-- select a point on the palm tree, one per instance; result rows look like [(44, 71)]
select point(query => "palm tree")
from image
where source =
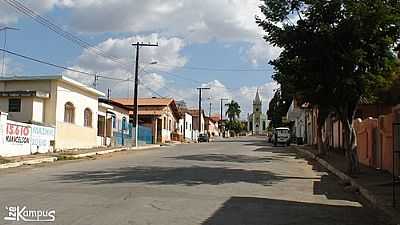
[(233, 110)]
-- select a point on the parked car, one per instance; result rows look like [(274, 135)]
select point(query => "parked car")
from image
[(281, 135), (203, 138)]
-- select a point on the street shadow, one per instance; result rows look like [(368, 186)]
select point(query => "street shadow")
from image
[(280, 151), (248, 142), (226, 158), (189, 176), (329, 186), (264, 211)]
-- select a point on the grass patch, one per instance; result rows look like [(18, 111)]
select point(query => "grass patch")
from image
[(4, 160)]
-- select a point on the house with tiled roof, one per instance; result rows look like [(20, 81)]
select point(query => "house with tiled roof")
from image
[(212, 126), (161, 115), (54, 100), (185, 125), (196, 128)]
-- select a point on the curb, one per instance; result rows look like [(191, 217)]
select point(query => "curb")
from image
[(363, 191), (28, 162), (83, 155), (103, 152)]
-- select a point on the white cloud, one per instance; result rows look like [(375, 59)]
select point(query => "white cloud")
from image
[(192, 20), (261, 53), (167, 53), (199, 20)]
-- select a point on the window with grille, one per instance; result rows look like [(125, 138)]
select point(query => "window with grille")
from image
[(14, 105), (87, 120), (69, 113)]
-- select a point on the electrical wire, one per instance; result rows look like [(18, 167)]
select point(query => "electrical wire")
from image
[(216, 69), (22, 9)]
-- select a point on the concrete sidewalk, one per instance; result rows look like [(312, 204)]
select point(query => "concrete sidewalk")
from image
[(11, 162), (374, 185)]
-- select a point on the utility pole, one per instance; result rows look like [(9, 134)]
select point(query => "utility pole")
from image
[(209, 113), (4, 47), (220, 122), (108, 93), (96, 78), (200, 90), (135, 90)]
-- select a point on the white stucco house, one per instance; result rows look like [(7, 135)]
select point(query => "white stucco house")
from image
[(185, 126), (197, 128), (68, 105), (297, 114)]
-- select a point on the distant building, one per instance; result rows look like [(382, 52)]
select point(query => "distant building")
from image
[(257, 121), (212, 126), (113, 127), (185, 125), (159, 114), (297, 115), (196, 128), (71, 107)]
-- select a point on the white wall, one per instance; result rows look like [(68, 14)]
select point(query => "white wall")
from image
[(80, 99), (38, 110), (75, 135), (18, 139), (189, 127)]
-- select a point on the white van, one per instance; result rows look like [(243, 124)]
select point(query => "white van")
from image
[(281, 135)]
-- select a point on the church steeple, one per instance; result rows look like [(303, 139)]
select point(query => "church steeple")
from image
[(257, 104), (257, 100)]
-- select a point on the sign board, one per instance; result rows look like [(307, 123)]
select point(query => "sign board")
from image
[(24, 139), (41, 137), (17, 134)]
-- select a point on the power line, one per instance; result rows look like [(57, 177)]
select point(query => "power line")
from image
[(177, 75), (46, 63), (216, 69), (22, 9), (62, 67), (77, 71)]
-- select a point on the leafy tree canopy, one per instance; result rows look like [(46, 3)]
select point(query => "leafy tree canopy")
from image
[(233, 110), (336, 51)]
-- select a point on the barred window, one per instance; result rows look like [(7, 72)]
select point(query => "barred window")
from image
[(14, 105), (87, 118), (69, 113)]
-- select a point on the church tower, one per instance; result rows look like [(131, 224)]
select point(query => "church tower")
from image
[(257, 112)]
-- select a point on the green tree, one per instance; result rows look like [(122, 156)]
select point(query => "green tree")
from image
[(233, 110), (236, 126), (278, 107), (334, 53)]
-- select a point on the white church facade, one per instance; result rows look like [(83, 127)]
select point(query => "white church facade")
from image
[(257, 122)]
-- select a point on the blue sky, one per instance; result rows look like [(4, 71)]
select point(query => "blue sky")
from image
[(212, 35)]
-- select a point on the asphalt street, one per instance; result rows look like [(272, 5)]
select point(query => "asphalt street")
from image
[(242, 181)]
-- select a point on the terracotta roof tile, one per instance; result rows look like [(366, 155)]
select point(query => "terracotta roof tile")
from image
[(145, 101), (150, 106)]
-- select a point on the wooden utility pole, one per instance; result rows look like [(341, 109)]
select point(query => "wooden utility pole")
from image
[(135, 90), (200, 90)]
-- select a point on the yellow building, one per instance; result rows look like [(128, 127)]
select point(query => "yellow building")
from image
[(71, 107)]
